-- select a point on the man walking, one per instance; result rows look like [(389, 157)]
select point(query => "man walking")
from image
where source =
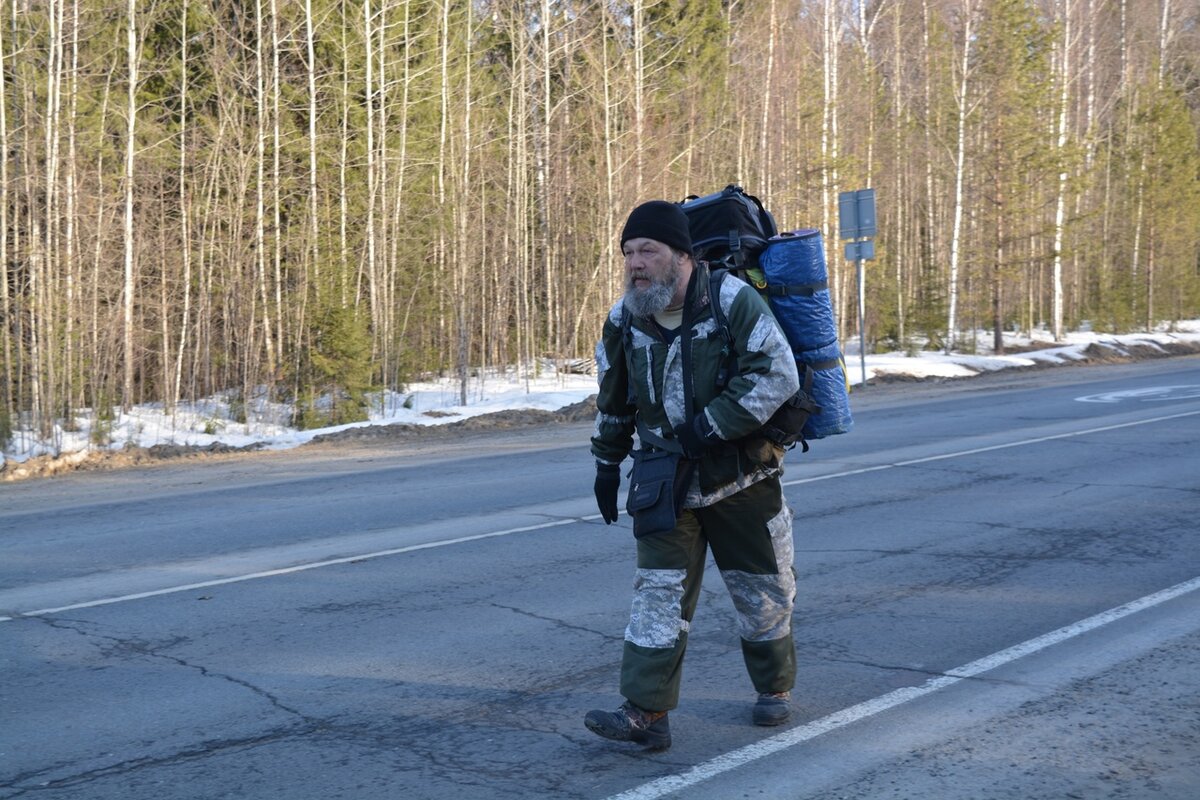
[(668, 369)]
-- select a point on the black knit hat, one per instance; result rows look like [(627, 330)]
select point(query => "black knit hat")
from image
[(661, 221)]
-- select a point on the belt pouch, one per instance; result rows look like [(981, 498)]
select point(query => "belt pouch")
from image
[(651, 501)]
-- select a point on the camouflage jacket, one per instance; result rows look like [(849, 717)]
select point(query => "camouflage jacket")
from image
[(648, 381)]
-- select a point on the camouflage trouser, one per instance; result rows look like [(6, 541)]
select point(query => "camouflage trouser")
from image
[(750, 534)]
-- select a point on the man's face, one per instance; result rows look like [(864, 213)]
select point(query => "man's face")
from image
[(652, 276), (647, 263)]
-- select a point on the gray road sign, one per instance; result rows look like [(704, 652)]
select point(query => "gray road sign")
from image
[(856, 214), (860, 251)]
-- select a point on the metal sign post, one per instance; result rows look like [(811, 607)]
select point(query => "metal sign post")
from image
[(856, 221)]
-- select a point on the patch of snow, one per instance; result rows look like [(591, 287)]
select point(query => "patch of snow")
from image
[(437, 402)]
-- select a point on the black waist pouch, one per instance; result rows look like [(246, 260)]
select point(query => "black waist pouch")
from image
[(656, 489)]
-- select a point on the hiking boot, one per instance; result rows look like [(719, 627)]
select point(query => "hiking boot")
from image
[(773, 708), (631, 724)]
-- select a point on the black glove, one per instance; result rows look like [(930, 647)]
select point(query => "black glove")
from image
[(697, 438), (608, 482)]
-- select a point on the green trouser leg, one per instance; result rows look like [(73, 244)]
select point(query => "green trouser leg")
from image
[(666, 592), (650, 676), (751, 539), (771, 664)]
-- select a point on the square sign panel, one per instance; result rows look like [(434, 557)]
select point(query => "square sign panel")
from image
[(856, 214)]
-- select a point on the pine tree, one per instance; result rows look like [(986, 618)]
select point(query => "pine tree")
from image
[(1014, 81)]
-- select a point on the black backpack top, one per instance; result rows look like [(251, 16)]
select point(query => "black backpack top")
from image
[(729, 228)]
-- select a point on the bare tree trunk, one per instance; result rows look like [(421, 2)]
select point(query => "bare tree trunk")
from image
[(1138, 218), (518, 191), (639, 99), (6, 304), (900, 115), (1165, 34), (999, 200), (1150, 275), (931, 252), (1061, 146), (1087, 130), (164, 301), (866, 26), (829, 159), (343, 162), (129, 350), (71, 394), (443, 242), (275, 354), (40, 238), (185, 226), (1126, 84), (102, 391), (960, 167), (314, 232), (465, 262), (545, 248), (45, 305), (372, 188), (764, 154), (30, 233), (260, 212), (406, 82), (610, 170), (603, 272), (383, 230)]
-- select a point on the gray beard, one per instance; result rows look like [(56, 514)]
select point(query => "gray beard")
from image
[(654, 298)]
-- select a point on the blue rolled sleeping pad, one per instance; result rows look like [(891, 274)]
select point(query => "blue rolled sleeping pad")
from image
[(798, 291)]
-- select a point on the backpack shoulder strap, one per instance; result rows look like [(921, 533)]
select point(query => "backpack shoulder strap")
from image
[(729, 364), (646, 435), (627, 350), (715, 278)]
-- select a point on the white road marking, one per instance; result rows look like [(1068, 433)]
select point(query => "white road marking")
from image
[(738, 758), (269, 573), (974, 451), (1153, 394), (542, 526)]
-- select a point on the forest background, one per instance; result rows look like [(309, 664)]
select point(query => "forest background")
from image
[(308, 200)]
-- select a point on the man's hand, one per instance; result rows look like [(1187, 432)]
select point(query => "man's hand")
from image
[(697, 438), (608, 482)]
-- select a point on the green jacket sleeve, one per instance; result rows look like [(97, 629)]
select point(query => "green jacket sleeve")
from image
[(766, 368), (613, 437)]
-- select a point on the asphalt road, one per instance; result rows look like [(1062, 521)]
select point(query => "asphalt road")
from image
[(999, 598)]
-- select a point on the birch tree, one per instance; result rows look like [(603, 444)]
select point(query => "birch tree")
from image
[(185, 235), (830, 185), (1061, 138), (129, 342), (963, 101), (314, 213), (6, 304)]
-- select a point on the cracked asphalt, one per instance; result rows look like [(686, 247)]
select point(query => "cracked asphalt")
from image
[(432, 619)]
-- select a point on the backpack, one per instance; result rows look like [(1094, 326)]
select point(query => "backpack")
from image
[(729, 228), (735, 233)]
